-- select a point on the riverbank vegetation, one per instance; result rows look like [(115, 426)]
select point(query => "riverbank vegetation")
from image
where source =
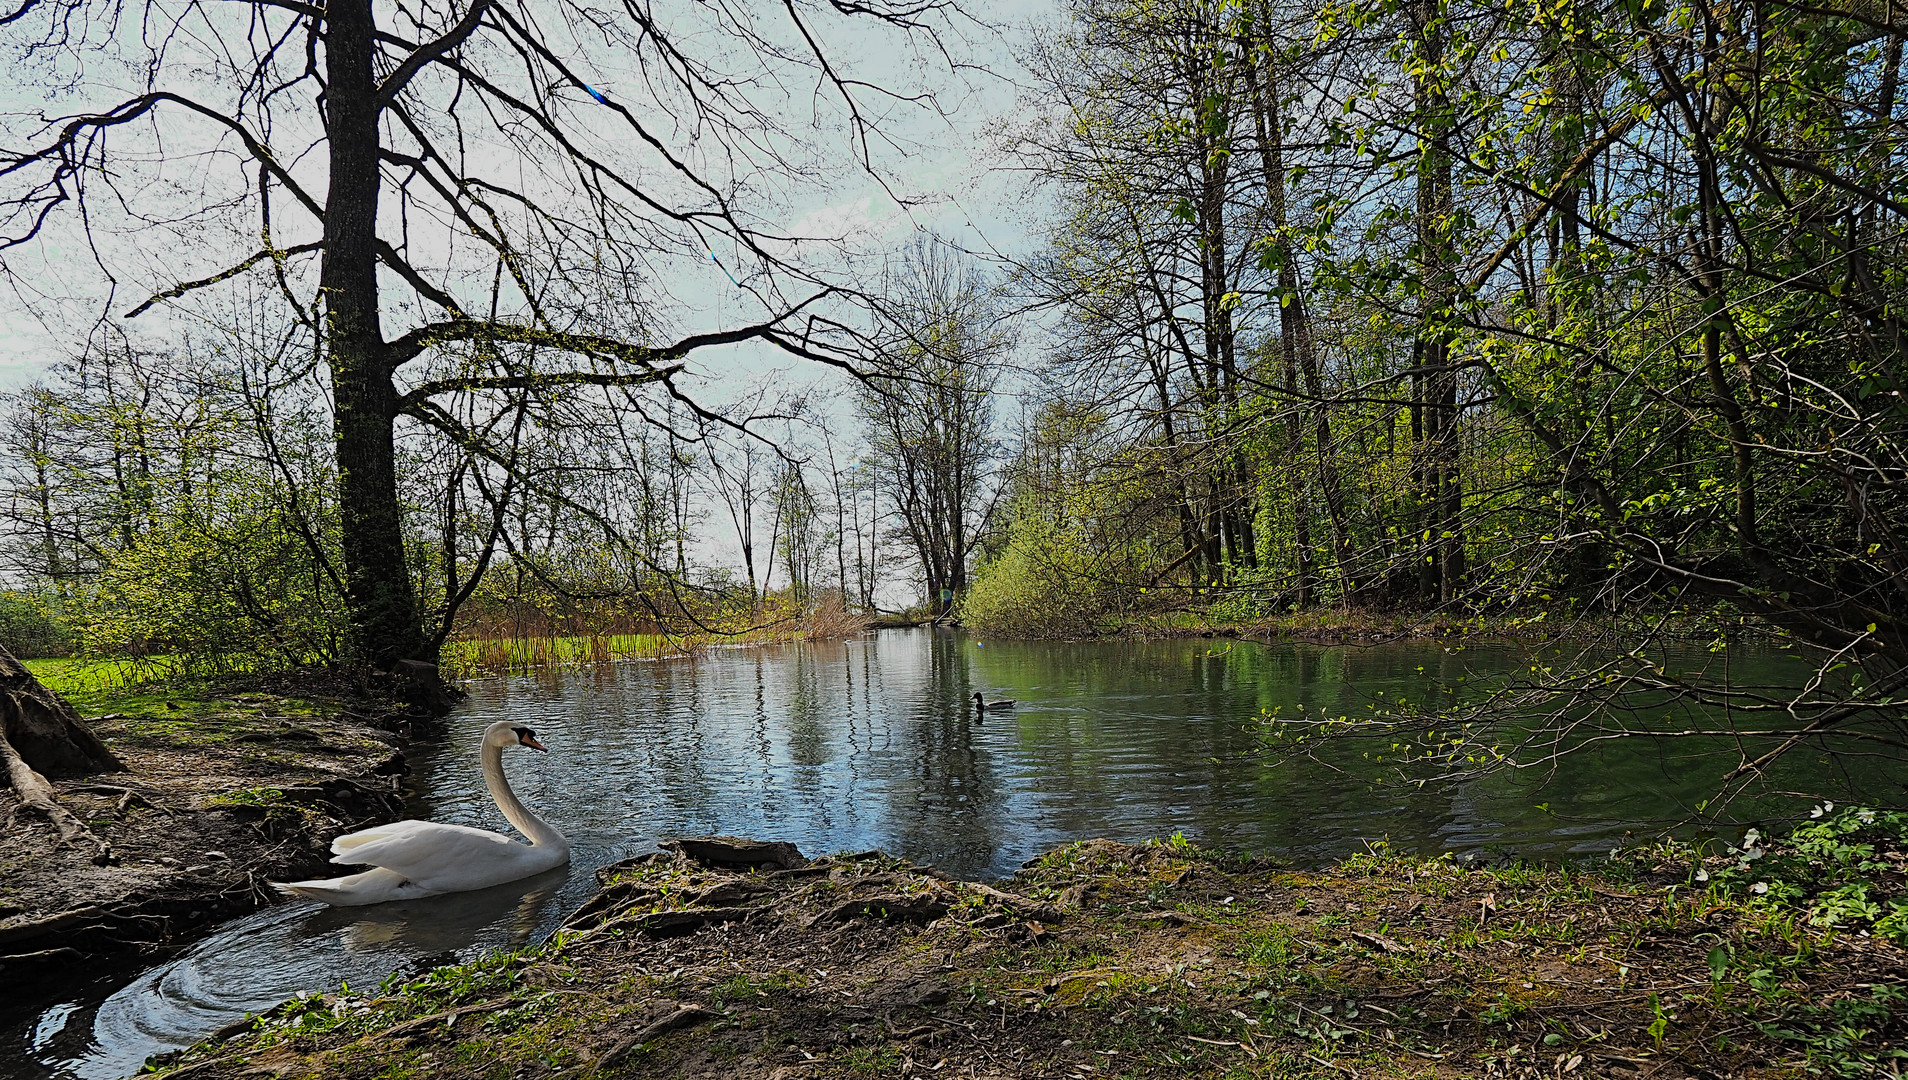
[(1156, 960)]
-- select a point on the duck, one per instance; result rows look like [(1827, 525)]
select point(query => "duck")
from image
[(414, 859), (981, 704)]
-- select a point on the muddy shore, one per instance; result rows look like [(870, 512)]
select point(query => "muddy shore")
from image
[(1112, 960), (224, 792)]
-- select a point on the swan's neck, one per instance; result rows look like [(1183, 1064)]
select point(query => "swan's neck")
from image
[(540, 832)]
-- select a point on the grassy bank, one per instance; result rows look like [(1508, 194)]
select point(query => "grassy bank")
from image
[(1331, 626), (1109, 960)]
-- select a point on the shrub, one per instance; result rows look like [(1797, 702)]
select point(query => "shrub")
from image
[(1046, 581), (30, 628), (239, 592)]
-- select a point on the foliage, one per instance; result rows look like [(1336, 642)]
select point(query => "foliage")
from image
[(1042, 583), (1539, 308), (167, 509), (1846, 868), (239, 593), (31, 628), (1067, 564), (1837, 1037)]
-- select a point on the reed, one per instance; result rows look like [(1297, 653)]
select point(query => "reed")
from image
[(501, 642), (516, 655)]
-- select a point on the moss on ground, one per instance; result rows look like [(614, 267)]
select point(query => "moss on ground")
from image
[(1110, 960)]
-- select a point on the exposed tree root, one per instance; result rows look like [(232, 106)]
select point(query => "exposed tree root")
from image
[(39, 730), (37, 795)]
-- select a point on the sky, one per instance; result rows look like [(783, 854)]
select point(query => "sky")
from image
[(947, 167)]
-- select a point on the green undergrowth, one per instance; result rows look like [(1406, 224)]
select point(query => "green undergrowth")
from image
[(1846, 869)]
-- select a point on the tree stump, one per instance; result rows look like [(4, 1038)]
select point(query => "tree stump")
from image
[(42, 735)]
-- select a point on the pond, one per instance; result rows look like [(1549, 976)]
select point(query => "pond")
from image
[(873, 743)]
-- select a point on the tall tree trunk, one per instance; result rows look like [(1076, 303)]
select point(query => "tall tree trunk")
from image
[(385, 627), (1442, 567), (1295, 332), (1232, 480)]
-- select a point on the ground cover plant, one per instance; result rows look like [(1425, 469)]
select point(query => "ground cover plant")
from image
[(1111, 960)]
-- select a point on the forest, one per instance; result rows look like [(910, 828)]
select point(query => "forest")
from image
[(1533, 313), (1512, 393)]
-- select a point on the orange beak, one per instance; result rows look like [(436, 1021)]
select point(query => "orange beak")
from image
[(532, 743)]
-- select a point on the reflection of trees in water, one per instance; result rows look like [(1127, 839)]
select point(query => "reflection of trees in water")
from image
[(873, 742), (812, 704), (946, 801)]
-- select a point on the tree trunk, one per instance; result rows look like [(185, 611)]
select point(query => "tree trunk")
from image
[(41, 734), (1441, 555), (385, 627), (44, 730)]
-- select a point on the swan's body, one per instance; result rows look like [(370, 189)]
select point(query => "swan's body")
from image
[(412, 859), (984, 705)]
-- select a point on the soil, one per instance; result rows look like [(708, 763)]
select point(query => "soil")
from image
[(1110, 960), (224, 792)]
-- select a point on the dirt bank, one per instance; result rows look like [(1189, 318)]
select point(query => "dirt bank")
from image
[(1107, 960), (224, 792)]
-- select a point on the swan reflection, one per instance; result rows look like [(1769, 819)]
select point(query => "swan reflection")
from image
[(442, 924)]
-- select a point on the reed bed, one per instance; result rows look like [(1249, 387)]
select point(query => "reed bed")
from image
[(519, 644), (517, 655)]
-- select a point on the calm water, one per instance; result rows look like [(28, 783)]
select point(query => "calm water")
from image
[(872, 743)]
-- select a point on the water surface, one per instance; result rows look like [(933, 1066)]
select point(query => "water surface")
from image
[(872, 743)]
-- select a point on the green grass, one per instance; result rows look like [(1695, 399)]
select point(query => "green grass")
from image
[(501, 656), (72, 677)]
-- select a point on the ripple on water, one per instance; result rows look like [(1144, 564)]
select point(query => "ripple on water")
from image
[(255, 962)]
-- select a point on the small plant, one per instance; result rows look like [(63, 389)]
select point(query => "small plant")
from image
[(1659, 1021), (1504, 1009), (1838, 1037), (257, 796), (749, 987), (1841, 869)]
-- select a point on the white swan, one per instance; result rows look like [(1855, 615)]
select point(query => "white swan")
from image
[(426, 858)]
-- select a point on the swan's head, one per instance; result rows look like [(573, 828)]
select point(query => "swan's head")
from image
[(504, 733), (977, 697)]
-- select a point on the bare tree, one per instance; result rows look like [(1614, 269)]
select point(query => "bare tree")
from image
[(419, 177), (928, 406)]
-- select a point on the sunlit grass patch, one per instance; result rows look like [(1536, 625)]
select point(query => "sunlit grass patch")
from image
[(256, 796), (515, 655), (79, 677)]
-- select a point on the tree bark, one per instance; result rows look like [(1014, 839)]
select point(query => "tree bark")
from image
[(1442, 569), (41, 734), (385, 627)]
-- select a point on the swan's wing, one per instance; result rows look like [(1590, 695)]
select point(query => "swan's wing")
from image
[(424, 850), (362, 837)]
